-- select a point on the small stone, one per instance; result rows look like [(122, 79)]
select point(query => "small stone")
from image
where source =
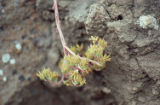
[(4, 79), (24, 36), (148, 21), (1, 72), (12, 61), (29, 79), (1, 28), (141, 99), (134, 103), (18, 46), (6, 58), (21, 78), (134, 89), (3, 11), (3, 5), (14, 72), (158, 83), (15, 4), (155, 92), (106, 90)]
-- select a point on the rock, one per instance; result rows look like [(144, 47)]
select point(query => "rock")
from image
[(134, 103), (141, 99), (21, 78), (142, 42), (1, 72), (106, 90), (5, 58), (14, 72), (150, 64), (12, 61), (79, 11), (18, 45), (147, 21), (155, 91), (4, 79), (96, 19)]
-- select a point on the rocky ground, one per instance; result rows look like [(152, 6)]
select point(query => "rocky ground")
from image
[(29, 42)]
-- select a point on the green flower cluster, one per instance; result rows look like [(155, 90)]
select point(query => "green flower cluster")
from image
[(48, 75), (96, 52), (75, 68)]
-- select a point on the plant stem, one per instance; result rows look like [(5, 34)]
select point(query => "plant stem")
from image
[(55, 7), (67, 51)]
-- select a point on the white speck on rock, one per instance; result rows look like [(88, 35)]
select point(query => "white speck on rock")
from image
[(1, 72), (5, 58), (147, 21), (12, 61), (4, 79), (18, 46), (3, 10)]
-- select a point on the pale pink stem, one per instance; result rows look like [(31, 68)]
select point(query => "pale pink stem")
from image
[(55, 7), (78, 68), (62, 79), (59, 82), (65, 47)]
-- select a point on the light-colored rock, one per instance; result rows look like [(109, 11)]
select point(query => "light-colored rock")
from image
[(12, 61), (148, 21), (18, 45), (1, 72), (4, 79), (5, 58)]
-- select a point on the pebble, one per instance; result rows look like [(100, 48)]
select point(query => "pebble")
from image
[(141, 99), (21, 78), (14, 72), (148, 21), (134, 103), (12, 61), (5, 58), (29, 79), (4, 79), (24, 36), (135, 88), (3, 5), (3, 11), (15, 4), (1, 28), (155, 92), (1, 72), (106, 90), (18, 46)]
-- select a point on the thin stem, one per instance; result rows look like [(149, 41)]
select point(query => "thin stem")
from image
[(65, 47), (59, 82), (62, 79), (78, 68), (55, 7)]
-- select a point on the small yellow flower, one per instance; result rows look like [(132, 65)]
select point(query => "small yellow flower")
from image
[(77, 78), (47, 74), (102, 43), (77, 49), (68, 82), (41, 76), (94, 39), (72, 60), (64, 66)]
